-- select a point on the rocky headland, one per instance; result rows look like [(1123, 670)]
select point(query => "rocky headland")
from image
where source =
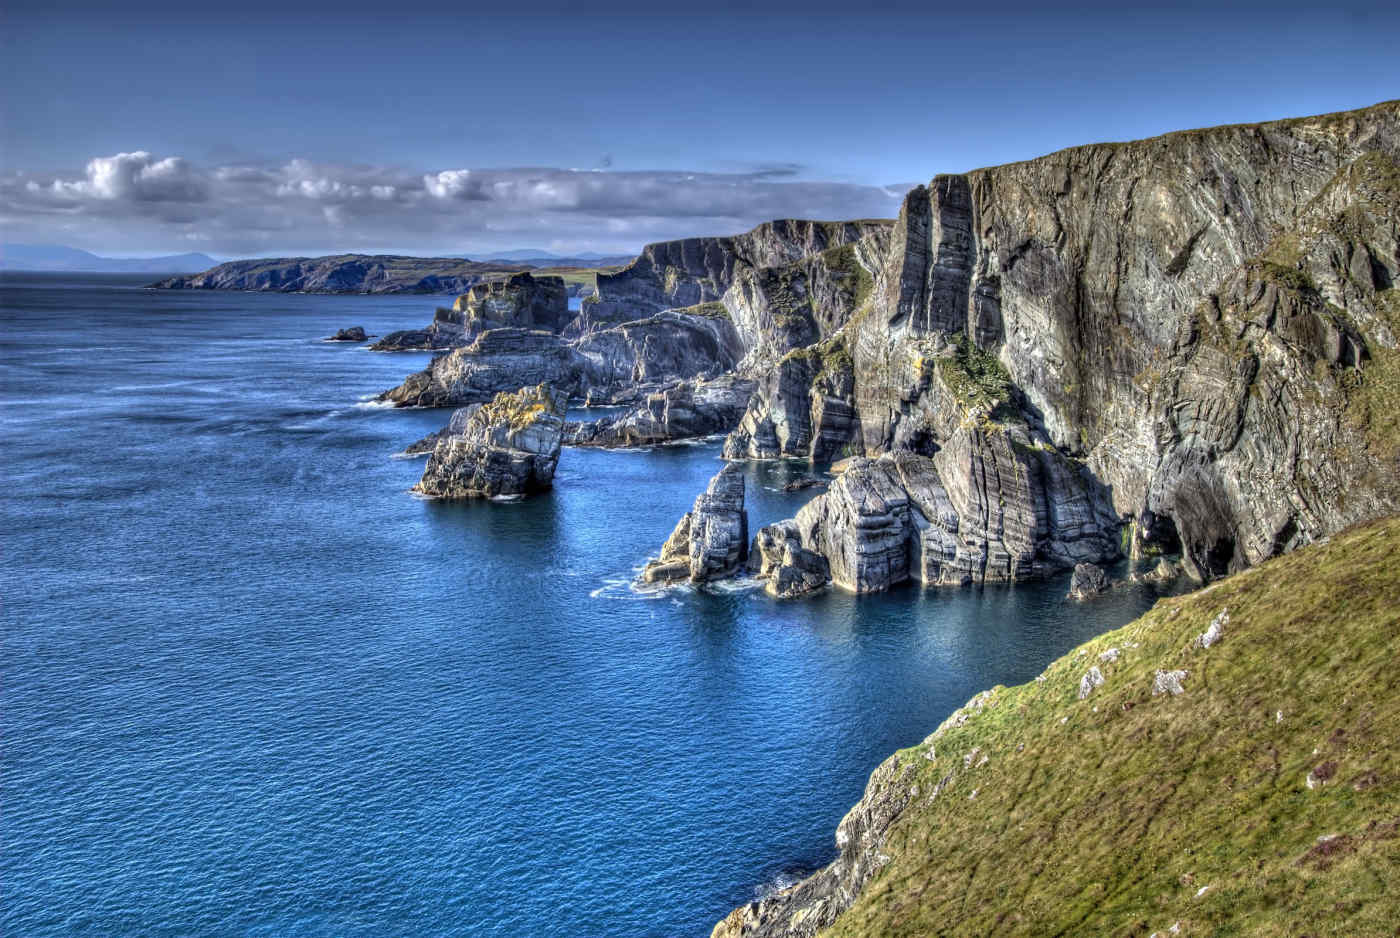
[(1182, 347), (1183, 352), (344, 273), (519, 301)]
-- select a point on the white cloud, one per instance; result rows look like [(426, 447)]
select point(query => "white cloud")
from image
[(137, 177), (138, 201)]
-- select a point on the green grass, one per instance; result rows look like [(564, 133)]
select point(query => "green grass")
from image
[(975, 376), (843, 260), (1106, 816)]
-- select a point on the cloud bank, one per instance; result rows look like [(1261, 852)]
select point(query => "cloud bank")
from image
[(139, 202)]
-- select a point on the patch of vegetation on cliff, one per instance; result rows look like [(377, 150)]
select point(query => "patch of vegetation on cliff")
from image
[(711, 310), (975, 376), (830, 357), (1154, 782), (842, 260)]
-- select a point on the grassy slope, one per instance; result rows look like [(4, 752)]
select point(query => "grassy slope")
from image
[(1106, 816)]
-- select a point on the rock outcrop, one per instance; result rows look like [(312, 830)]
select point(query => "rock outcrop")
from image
[(344, 273), (509, 446), (684, 411), (353, 334), (697, 271), (521, 301), (668, 347), (988, 506), (1087, 581), (711, 540)]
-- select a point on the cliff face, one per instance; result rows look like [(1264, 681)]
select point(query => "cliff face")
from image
[(1224, 764), (693, 271), (1193, 318)]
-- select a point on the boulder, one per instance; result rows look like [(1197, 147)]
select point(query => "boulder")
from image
[(353, 334), (1089, 580), (711, 540), (509, 446), (790, 569)]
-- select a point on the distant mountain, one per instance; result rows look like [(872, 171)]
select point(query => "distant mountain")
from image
[(57, 257)]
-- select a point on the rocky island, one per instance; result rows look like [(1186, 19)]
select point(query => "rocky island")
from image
[(507, 447)]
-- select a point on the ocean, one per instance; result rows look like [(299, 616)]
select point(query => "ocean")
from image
[(252, 686)]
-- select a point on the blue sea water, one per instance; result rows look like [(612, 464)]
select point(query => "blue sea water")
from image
[(251, 686)]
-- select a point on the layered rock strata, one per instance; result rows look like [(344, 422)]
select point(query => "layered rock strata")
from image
[(668, 347), (696, 271), (711, 540), (987, 507), (509, 446)]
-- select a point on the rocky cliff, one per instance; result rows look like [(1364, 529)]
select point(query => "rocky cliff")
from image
[(1202, 322), (1224, 765), (697, 271)]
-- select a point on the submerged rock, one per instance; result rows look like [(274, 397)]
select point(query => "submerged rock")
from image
[(509, 446), (711, 540), (353, 334), (1089, 580)]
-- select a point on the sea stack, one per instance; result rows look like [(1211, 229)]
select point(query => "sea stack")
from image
[(711, 540), (509, 446)]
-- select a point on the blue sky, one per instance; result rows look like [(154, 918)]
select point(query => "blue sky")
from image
[(292, 128)]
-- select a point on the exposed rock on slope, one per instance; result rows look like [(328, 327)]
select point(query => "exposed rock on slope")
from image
[(509, 446), (1260, 787), (344, 273), (521, 301), (683, 411), (711, 540)]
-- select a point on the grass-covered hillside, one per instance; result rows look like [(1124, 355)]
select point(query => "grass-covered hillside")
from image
[(1154, 782)]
